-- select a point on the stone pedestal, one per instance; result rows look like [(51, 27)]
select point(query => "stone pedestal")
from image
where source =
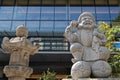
[(17, 72), (20, 49)]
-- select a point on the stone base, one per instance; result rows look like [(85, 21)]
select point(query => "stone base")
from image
[(95, 79), (16, 78)]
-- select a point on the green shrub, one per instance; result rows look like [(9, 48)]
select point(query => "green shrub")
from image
[(110, 32), (48, 75)]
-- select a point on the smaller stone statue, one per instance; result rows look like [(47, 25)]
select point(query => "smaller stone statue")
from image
[(88, 48), (20, 48)]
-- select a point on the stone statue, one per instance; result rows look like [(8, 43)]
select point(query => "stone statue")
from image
[(20, 48), (87, 47)]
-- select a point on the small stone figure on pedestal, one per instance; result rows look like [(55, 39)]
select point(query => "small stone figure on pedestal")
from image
[(87, 47), (20, 49)]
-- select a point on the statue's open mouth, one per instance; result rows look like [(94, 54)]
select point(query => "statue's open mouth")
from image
[(87, 23)]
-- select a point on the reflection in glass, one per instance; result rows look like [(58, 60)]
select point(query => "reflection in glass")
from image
[(74, 13), (61, 13), (60, 25), (88, 9), (5, 25), (33, 13), (46, 25), (114, 12), (32, 25), (20, 13), (47, 13), (6, 13), (102, 13), (34, 2)]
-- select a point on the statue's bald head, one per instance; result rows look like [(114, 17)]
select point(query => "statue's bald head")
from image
[(84, 14)]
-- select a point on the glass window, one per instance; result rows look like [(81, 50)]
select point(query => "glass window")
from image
[(114, 12), (60, 25), (34, 2), (74, 13), (61, 13), (5, 25), (32, 25), (102, 13), (88, 9), (6, 13), (48, 2), (8, 2), (101, 2), (87, 2), (46, 25), (0, 2), (15, 24), (33, 13), (113, 2), (60, 2), (21, 2), (20, 13), (47, 13), (74, 2)]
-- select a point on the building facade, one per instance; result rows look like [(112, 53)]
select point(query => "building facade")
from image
[(46, 21)]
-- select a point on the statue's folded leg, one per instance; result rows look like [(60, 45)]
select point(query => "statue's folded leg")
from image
[(104, 53), (77, 51)]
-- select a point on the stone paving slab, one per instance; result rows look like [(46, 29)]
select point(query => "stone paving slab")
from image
[(95, 79)]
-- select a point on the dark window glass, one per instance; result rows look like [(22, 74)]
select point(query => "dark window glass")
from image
[(46, 26), (74, 2), (47, 13), (33, 13), (8, 2), (5, 25), (74, 13), (15, 24), (61, 13), (48, 2), (32, 25), (21, 2), (6, 13), (113, 2), (60, 25), (34, 2), (20, 13), (102, 13), (60, 2), (0, 2), (88, 2), (101, 2)]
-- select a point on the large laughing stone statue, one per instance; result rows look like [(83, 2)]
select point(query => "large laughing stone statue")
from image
[(87, 47)]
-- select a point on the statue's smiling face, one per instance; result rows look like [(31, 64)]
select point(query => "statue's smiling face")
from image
[(87, 22)]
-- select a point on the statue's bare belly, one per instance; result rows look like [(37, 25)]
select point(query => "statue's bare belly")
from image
[(86, 38)]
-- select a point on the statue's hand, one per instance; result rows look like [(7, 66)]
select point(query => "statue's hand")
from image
[(95, 33), (73, 24)]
